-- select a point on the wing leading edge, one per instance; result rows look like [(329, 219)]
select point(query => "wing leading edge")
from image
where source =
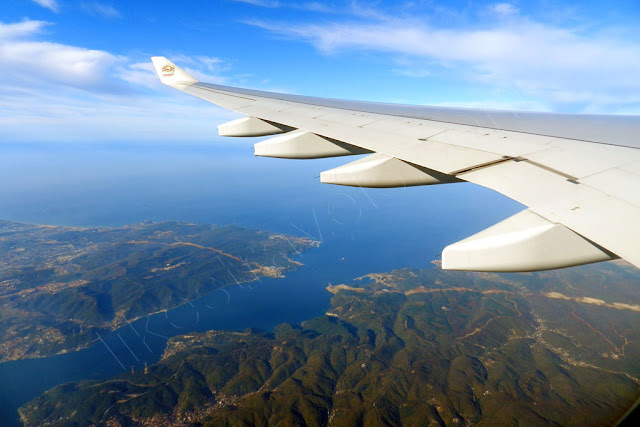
[(578, 175)]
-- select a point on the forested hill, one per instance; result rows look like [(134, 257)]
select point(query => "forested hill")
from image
[(417, 347), (61, 286)]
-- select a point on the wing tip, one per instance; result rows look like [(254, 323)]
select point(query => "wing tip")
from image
[(170, 74)]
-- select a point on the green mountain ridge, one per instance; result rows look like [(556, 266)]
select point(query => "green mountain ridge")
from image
[(60, 286), (411, 347)]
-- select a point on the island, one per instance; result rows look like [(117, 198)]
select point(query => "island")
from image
[(413, 347), (62, 287)]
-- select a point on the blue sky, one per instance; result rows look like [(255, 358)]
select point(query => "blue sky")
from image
[(78, 71)]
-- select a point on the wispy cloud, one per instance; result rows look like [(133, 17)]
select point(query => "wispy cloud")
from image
[(504, 9), (261, 3), (37, 63), (560, 65), (105, 10), (311, 6), (20, 30), (315, 6), (49, 4), (54, 91)]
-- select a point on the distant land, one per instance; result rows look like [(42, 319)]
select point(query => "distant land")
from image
[(62, 287), (413, 347)]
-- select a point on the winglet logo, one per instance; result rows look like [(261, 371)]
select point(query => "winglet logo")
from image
[(168, 70)]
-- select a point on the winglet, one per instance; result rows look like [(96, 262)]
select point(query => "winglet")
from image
[(170, 74)]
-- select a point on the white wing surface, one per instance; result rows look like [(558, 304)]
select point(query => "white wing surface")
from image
[(579, 175)]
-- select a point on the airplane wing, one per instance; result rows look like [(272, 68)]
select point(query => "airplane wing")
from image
[(579, 175)]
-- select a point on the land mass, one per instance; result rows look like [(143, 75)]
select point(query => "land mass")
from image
[(62, 287), (413, 347)]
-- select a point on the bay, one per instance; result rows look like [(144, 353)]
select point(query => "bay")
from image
[(361, 230)]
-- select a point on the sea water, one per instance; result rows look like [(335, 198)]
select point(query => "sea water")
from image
[(361, 231)]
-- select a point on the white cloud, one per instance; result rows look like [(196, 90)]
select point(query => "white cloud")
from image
[(261, 3), (20, 30), (559, 65), (205, 68), (504, 9), (312, 6), (57, 92), (49, 4), (42, 64), (104, 10)]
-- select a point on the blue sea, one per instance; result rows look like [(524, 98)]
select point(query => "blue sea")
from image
[(361, 230)]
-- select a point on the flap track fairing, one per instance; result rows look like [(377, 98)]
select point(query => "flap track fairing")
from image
[(381, 171), (523, 242), (305, 145), (252, 126)]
